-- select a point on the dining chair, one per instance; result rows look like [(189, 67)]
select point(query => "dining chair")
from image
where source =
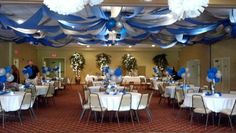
[(2, 113), (198, 107), (144, 103), (84, 106), (26, 104), (230, 113), (124, 106), (180, 98), (50, 94), (95, 106), (163, 95)]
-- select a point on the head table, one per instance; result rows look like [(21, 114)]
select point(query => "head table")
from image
[(111, 102), (214, 103)]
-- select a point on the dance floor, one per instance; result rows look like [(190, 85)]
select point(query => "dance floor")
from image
[(64, 117)]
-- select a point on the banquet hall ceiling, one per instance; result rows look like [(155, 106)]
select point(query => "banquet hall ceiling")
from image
[(149, 25)]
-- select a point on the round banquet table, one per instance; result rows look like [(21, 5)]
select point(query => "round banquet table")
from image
[(214, 103), (11, 102), (111, 102), (170, 90), (96, 88), (128, 79)]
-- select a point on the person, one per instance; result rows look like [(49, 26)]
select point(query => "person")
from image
[(35, 70), (16, 74)]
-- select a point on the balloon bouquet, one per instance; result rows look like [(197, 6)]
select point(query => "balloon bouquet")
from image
[(5, 76), (169, 73), (156, 71), (184, 73), (213, 76), (112, 77), (47, 70)]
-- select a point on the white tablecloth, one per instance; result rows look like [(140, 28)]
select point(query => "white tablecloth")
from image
[(96, 88), (41, 89), (170, 90), (11, 102), (111, 102), (156, 84), (127, 79), (214, 103), (91, 78)]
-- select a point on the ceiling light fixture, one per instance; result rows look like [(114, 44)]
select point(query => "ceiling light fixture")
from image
[(88, 46), (153, 45), (66, 7), (20, 21), (130, 46)]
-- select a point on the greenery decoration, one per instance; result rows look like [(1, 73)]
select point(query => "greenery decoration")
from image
[(77, 62), (129, 62), (160, 61), (103, 60)]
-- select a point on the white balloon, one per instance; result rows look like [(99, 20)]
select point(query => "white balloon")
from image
[(119, 79), (187, 69), (26, 75), (113, 78), (8, 75), (188, 75), (2, 71), (10, 78), (183, 75), (208, 80), (111, 71), (218, 74)]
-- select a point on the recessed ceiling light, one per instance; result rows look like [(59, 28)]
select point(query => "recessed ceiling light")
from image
[(88, 46), (130, 46), (109, 45), (20, 21), (73, 27), (153, 45)]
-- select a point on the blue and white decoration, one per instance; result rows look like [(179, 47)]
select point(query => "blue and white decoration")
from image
[(169, 71), (48, 70), (184, 73), (156, 71), (27, 72), (112, 77), (213, 76), (95, 25), (5, 76)]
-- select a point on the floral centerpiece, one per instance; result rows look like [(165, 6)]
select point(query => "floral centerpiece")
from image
[(129, 63), (5, 76), (103, 60), (213, 76), (77, 64)]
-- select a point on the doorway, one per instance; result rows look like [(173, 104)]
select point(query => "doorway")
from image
[(194, 71)]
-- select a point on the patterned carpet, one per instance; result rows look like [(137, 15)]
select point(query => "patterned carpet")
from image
[(64, 118)]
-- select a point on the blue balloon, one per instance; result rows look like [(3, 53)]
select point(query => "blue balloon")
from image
[(169, 70), (111, 23), (217, 80), (3, 79), (24, 71), (29, 71), (211, 75), (118, 72), (49, 69), (214, 70), (155, 69), (44, 70), (123, 31), (8, 69)]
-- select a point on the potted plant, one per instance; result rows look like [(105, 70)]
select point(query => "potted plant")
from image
[(77, 64)]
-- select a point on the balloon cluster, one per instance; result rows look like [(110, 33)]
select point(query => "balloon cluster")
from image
[(105, 69), (183, 72), (6, 75), (156, 70), (113, 75), (169, 71), (47, 70), (27, 71), (213, 75), (117, 26)]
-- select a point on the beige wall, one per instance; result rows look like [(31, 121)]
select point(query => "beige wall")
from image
[(143, 56), (200, 52), (24, 52), (227, 48), (4, 54)]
